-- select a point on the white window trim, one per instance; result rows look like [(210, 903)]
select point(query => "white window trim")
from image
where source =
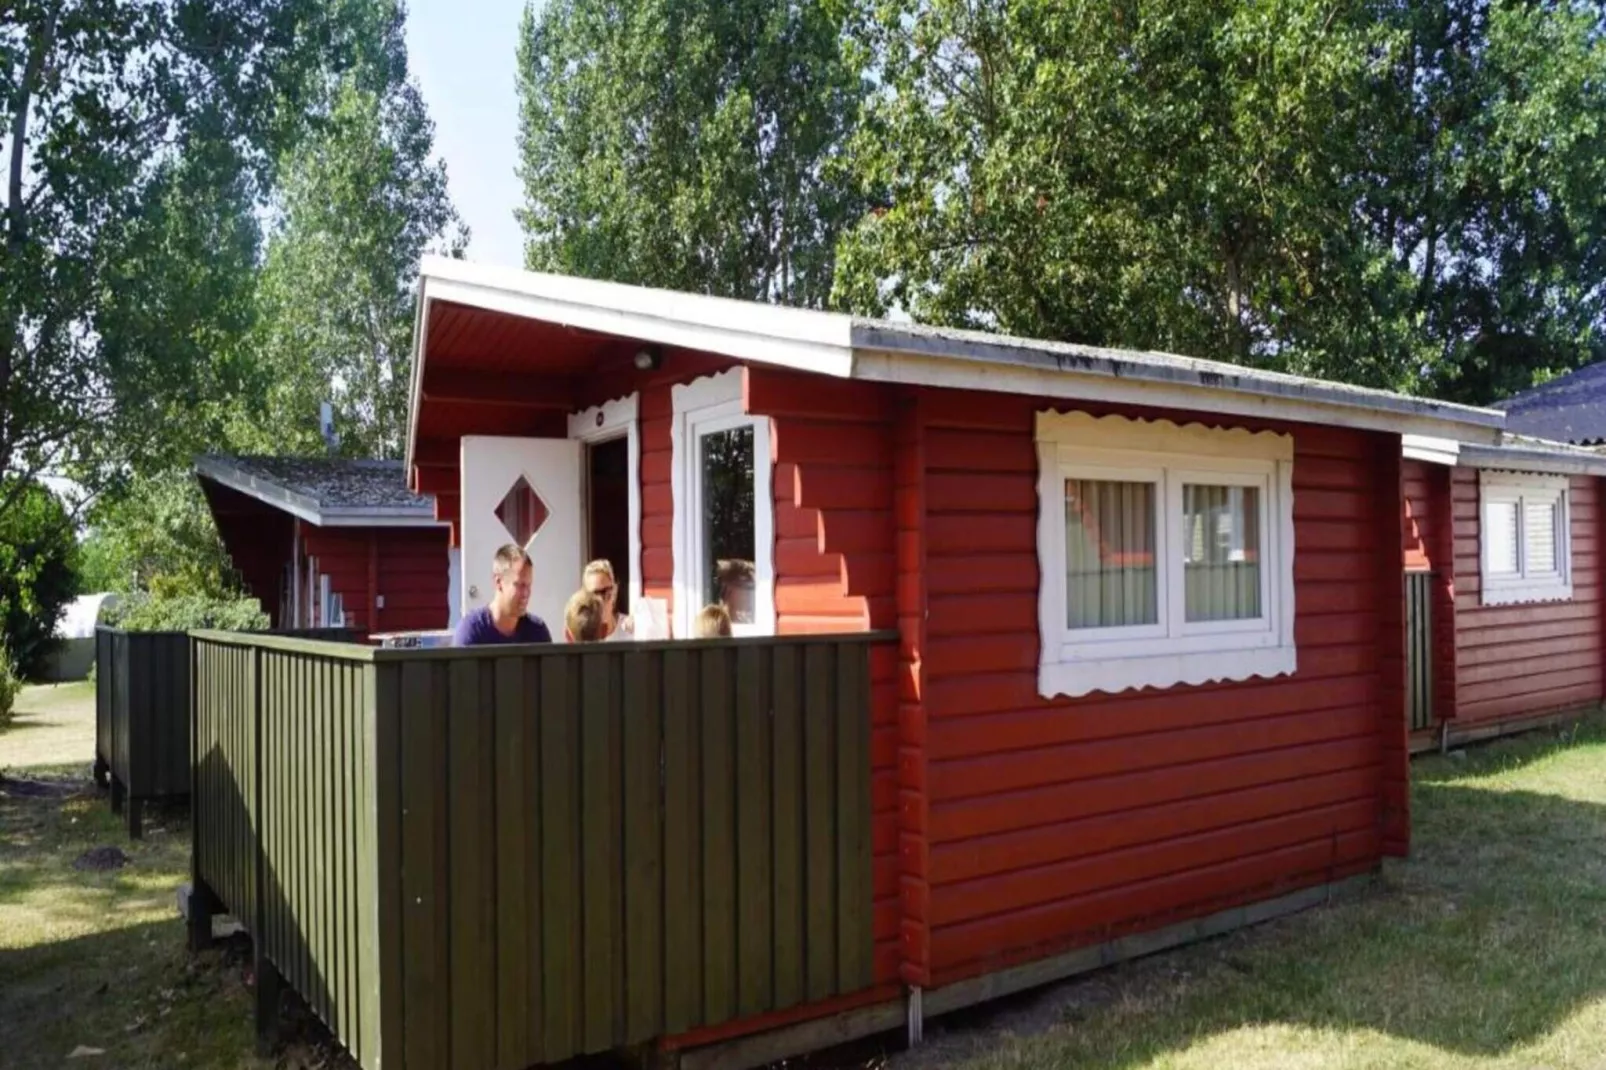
[(602, 423), (714, 403), (1519, 488), (1173, 652)]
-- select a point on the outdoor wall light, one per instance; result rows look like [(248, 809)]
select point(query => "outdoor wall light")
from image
[(649, 358)]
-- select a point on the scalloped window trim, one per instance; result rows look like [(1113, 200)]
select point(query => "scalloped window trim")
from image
[(1070, 666)]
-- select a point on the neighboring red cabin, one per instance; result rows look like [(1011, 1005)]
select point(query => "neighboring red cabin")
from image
[(325, 542), (1151, 661), (1504, 540)]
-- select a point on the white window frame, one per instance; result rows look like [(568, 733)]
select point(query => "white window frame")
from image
[(1519, 489), (618, 418), (1076, 445), (705, 406)]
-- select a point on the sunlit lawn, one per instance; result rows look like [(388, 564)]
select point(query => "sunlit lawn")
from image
[(1487, 949)]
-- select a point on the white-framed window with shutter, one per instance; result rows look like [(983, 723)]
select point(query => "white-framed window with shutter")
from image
[(1166, 553), (1525, 548)]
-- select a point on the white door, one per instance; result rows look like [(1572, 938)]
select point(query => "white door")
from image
[(526, 491)]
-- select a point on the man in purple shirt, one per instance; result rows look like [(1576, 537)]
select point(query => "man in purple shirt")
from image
[(506, 619)]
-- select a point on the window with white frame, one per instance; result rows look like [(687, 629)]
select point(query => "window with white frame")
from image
[(1526, 551), (724, 511), (1166, 553)]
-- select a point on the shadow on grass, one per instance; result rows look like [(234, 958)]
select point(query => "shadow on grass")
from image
[(97, 958), (1490, 939)]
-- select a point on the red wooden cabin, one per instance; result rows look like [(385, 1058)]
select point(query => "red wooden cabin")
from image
[(330, 542), (1150, 678), (1501, 542)]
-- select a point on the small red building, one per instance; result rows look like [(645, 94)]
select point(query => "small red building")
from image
[(1150, 674), (328, 541), (1504, 607)]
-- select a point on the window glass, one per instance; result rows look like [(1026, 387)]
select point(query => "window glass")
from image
[(1539, 534), (1110, 576), (725, 467), (1500, 537), (1221, 552)]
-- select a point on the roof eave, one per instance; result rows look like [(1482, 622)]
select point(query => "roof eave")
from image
[(1531, 459), (279, 496), (888, 355)]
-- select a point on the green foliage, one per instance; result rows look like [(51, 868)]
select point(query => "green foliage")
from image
[(182, 613), (1408, 196), (38, 574), (687, 143), (157, 536), (10, 687), (360, 202)]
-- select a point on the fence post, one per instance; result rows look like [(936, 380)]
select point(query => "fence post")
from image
[(269, 983), (203, 901)]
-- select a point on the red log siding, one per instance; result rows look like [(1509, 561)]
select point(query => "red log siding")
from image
[(1419, 515), (1535, 658), (1058, 823), (1393, 724), (1429, 544), (407, 566)]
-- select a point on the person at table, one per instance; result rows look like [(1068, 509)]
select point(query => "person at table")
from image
[(597, 579), (583, 618), (507, 619)]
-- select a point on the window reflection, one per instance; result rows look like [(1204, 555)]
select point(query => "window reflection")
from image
[(725, 464)]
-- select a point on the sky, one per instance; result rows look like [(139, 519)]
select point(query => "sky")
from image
[(464, 65)]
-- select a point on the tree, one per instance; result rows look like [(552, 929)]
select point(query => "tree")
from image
[(38, 574), (361, 201), (1406, 196), (157, 536), (134, 131), (689, 144)]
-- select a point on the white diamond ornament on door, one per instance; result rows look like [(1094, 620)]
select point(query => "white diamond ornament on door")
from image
[(525, 491)]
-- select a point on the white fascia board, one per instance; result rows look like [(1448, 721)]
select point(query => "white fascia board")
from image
[(415, 389), (804, 339), (1074, 385), (1432, 450), (1529, 459), (274, 494)]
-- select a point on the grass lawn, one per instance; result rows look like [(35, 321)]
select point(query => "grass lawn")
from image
[(96, 958), (1486, 950), (54, 725)]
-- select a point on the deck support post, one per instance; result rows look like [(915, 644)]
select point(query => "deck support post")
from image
[(136, 818), (269, 987), (916, 1018), (119, 793), (1444, 737), (101, 773)]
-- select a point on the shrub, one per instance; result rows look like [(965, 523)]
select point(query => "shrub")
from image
[(10, 685), (150, 613), (38, 575)]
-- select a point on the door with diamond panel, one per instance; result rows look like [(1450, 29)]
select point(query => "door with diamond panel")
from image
[(526, 491)]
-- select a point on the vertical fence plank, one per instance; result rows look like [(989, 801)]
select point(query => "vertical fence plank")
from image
[(787, 789), (426, 971), (472, 866), (855, 882), (643, 852), (683, 907), (600, 847), (819, 793), (754, 833), (563, 970), (384, 998), (517, 907), (719, 836)]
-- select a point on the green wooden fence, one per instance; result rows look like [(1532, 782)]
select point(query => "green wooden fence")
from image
[(511, 857), (142, 715)]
